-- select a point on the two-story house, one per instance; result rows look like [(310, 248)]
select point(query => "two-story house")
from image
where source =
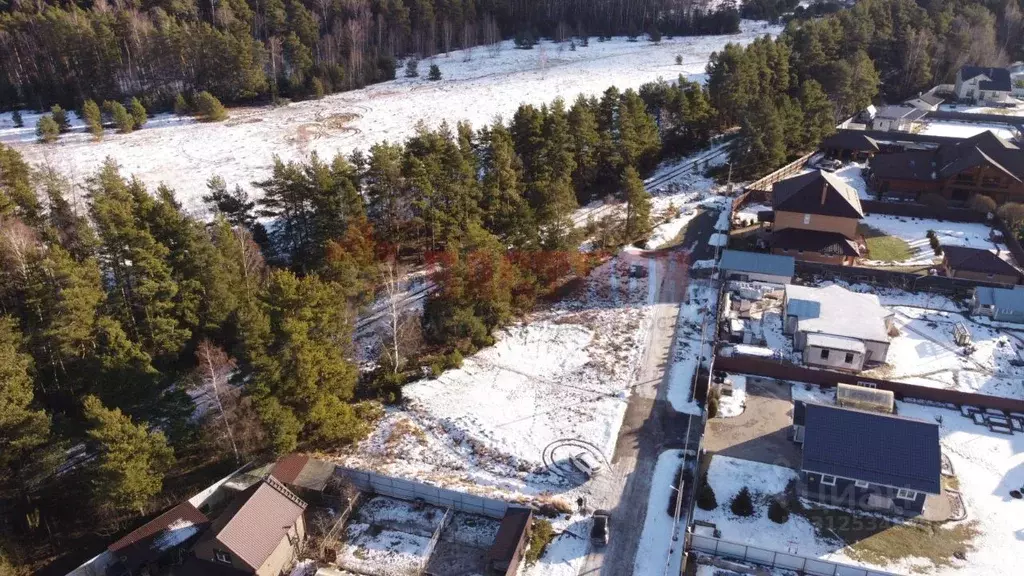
[(815, 217), (981, 84), (982, 164)]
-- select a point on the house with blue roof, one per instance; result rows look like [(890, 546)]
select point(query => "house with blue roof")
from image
[(868, 460), (757, 267)]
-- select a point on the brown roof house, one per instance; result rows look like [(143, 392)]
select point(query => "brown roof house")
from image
[(160, 542), (982, 164), (506, 553), (304, 475), (815, 218), (258, 533), (978, 264)]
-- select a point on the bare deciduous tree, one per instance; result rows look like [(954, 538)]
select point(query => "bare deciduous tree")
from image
[(402, 332), (214, 369)]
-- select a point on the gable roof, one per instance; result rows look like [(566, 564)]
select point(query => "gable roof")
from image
[(510, 533), (909, 113), (952, 158), (928, 98), (1009, 299), (998, 78), (255, 522), (872, 447), (817, 192), (740, 261), (168, 530), (837, 311), (801, 240), (977, 260), (303, 471), (849, 140)]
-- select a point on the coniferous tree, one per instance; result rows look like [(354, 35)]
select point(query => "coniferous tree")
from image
[(506, 214), (208, 108), (60, 116), (17, 119), (181, 106), (412, 68), (47, 129), (384, 184), (638, 205), (138, 113), (435, 73), (132, 460), (23, 429), (583, 128), (122, 119), (17, 194), (818, 113), (93, 118)]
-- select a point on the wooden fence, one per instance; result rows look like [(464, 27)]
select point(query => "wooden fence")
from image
[(765, 184), (787, 371)]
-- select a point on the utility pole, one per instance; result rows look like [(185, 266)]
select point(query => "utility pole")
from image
[(728, 185)]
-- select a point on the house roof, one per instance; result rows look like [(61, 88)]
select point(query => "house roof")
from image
[(872, 447), (1001, 298), (909, 113), (168, 530), (998, 78), (817, 192), (510, 533), (254, 523), (977, 260), (303, 471), (828, 243), (928, 98), (849, 140), (834, 342), (759, 263), (952, 158), (836, 311)]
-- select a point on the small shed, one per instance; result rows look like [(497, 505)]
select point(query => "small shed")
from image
[(304, 475), (1000, 304), (757, 267), (506, 553)]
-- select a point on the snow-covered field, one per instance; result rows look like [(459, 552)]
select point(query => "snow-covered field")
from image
[(914, 232), (558, 381), (185, 154), (656, 546), (565, 555), (389, 536), (702, 299), (967, 129)]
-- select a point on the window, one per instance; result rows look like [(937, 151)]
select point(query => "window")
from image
[(807, 218), (824, 354), (860, 484), (827, 480), (221, 556), (906, 494), (849, 357)]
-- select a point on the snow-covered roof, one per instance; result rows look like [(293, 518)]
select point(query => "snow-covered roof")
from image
[(834, 342), (836, 311)]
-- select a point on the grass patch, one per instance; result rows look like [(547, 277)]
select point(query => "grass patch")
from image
[(883, 247), (879, 541), (541, 535)]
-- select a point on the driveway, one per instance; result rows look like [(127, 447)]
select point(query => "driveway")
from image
[(761, 432)]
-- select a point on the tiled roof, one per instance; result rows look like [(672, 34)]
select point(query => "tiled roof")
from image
[(256, 521), (817, 192), (149, 541), (872, 447), (740, 261), (977, 260)]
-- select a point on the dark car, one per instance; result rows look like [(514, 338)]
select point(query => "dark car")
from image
[(599, 533)]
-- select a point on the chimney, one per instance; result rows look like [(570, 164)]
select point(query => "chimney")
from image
[(824, 191)]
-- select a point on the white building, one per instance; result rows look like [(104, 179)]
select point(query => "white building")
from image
[(979, 84), (836, 328)]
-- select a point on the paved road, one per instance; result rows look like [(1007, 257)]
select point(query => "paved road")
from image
[(650, 424)]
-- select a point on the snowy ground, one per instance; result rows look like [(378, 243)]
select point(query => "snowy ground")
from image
[(853, 174), (566, 554), (967, 129), (389, 536), (748, 213), (557, 383), (925, 354), (656, 546), (1016, 111), (914, 232), (702, 299), (733, 405), (185, 154)]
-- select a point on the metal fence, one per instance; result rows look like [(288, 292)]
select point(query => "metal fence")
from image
[(776, 558), (412, 490)]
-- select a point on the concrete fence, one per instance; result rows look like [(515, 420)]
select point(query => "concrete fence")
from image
[(776, 558), (412, 490)]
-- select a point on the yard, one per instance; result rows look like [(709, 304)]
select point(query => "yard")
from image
[(883, 247)]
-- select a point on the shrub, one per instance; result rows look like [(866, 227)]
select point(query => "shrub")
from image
[(60, 116), (181, 107), (435, 73), (541, 535), (138, 112), (1012, 214), (742, 504), (454, 359), (654, 35), (679, 59), (778, 512), (714, 398), (122, 119), (93, 118), (934, 200), (208, 108), (572, 46), (47, 129), (318, 88), (17, 119), (706, 495), (412, 68), (981, 203), (524, 40)]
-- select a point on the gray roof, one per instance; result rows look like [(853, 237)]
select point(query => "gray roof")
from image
[(980, 260), (816, 192), (1001, 298), (837, 311), (909, 113), (834, 342), (739, 261), (871, 447), (928, 98), (998, 78)]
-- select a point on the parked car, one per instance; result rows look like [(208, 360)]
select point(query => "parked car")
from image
[(599, 533), (586, 463), (830, 165)]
